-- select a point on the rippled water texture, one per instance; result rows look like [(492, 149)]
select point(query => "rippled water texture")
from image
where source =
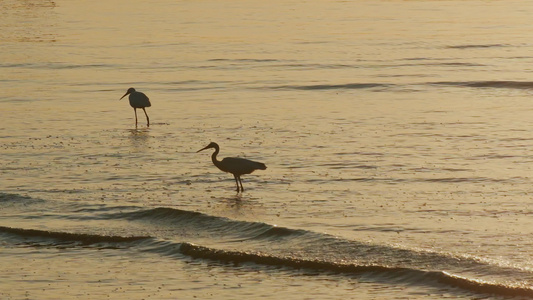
[(397, 136)]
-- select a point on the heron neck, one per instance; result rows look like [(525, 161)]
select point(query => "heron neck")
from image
[(214, 156)]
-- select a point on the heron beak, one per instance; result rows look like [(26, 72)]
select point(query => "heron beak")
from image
[(202, 149), (123, 96)]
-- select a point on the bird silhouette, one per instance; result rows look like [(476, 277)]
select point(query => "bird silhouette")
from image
[(234, 165), (138, 100)]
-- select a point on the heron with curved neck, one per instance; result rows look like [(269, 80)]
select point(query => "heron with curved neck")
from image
[(138, 100), (234, 165)]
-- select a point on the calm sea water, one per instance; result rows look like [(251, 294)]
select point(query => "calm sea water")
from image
[(397, 136)]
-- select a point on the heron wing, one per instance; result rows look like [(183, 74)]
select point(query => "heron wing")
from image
[(239, 166), (139, 100)]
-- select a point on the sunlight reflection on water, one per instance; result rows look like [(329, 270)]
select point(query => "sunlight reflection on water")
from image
[(401, 123)]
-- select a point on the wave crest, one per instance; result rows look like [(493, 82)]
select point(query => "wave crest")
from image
[(35, 235), (398, 274)]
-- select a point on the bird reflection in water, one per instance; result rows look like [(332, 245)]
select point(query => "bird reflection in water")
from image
[(237, 206), (139, 140)]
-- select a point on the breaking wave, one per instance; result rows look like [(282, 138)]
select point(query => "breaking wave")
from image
[(182, 234)]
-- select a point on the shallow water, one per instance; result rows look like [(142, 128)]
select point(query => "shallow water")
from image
[(396, 136)]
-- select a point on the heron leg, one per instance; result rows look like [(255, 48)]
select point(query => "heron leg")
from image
[(147, 119), (236, 182), (240, 181), (135, 110)]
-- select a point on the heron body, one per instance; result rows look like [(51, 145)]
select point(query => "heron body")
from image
[(234, 165), (138, 100)]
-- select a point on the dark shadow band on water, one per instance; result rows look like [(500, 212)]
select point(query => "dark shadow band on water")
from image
[(488, 84), (347, 86)]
